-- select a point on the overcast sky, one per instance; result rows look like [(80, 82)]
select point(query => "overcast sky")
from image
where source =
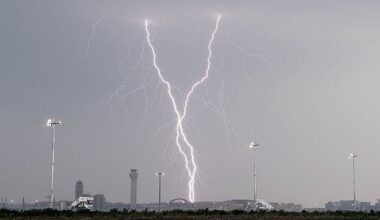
[(308, 94)]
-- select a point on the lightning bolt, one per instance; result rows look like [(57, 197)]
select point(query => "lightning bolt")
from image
[(86, 50), (182, 140)]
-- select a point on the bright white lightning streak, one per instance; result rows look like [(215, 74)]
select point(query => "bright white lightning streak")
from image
[(190, 163)]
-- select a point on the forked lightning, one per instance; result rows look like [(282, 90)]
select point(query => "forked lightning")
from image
[(182, 141)]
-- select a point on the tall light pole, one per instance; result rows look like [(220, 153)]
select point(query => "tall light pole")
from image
[(353, 156), (159, 174), (254, 146), (52, 123)]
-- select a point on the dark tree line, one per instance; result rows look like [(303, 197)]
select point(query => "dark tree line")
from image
[(183, 214)]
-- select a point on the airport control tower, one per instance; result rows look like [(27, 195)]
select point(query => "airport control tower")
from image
[(133, 175), (78, 189)]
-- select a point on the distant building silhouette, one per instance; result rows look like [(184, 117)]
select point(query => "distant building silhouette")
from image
[(78, 189), (99, 202), (349, 205), (287, 207), (133, 175), (366, 206), (332, 206)]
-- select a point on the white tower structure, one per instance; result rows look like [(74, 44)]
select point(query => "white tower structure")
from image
[(133, 175), (52, 123)]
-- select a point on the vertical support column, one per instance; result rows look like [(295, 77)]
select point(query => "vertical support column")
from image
[(52, 168)]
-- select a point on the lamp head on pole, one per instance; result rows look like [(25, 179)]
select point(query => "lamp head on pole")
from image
[(352, 156), (160, 173), (51, 122), (253, 145)]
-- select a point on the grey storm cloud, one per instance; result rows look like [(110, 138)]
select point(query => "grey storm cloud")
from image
[(300, 77)]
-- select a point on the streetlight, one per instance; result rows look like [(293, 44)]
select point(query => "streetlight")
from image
[(52, 123), (159, 174), (254, 146), (353, 156)]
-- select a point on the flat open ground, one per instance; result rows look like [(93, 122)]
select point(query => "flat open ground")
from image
[(199, 214)]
